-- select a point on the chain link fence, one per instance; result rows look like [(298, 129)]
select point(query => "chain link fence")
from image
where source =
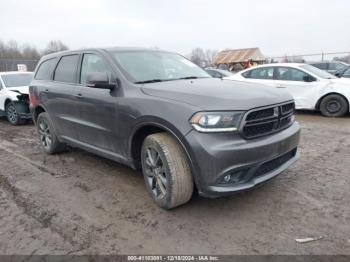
[(315, 57), (15, 64)]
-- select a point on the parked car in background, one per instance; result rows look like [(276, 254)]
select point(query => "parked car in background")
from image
[(218, 73), (330, 67), (312, 88), (158, 112), (14, 99), (345, 72)]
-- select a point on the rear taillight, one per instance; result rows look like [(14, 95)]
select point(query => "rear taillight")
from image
[(33, 100)]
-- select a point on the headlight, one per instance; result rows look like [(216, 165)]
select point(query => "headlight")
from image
[(216, 121)]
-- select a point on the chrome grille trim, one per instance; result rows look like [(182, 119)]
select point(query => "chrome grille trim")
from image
[(256, 127)]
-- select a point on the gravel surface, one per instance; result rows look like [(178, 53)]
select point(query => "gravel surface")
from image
[(78, 203)]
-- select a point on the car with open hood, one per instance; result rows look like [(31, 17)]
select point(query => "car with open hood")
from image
[(14, 96)]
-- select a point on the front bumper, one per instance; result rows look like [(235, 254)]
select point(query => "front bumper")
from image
[(22, 108), (250, 162)]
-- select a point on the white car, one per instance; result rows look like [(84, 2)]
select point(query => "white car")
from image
[(14, 96), (312, 88)]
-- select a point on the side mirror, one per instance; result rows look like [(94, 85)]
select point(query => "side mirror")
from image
[(309, 79), (99, 80), (337, 74)]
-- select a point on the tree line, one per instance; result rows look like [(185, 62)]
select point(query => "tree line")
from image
[(202, 57), (11, 50)]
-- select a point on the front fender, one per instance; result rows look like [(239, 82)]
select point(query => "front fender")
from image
[(341, 89), (12, 95), (170, 128), (335, 88)]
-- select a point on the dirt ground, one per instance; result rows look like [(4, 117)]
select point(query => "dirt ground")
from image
[(78, 203)]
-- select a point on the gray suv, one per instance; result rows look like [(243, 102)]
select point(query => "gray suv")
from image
[(157, 112)]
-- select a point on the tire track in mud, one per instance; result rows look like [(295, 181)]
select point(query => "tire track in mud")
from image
[(76, 235)]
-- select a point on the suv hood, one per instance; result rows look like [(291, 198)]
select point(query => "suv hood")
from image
[(216, 94), (20, 89)]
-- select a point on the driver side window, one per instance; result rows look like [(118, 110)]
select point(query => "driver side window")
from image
[(291, 74), (91, 63)]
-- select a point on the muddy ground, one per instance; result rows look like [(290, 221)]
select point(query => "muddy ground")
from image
[(78, 203)]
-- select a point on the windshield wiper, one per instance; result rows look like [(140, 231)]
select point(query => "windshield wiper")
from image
[(149, 81), (189, 77)]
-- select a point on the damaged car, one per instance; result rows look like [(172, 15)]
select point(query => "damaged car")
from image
[(14, 96)]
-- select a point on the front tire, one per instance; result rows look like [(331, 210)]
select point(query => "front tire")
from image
[(12, 115), (166, 171), (47, 136), (334, 106)]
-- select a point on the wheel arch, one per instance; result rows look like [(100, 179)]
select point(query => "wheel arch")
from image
[(142, 130), (36, 111), (7, 101), (317, 107), (148, 127)]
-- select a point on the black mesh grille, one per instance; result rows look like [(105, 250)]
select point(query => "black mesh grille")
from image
[(260, 114), (258, 129), (287, 108), (285, 121), (268, 120), (275, 163)]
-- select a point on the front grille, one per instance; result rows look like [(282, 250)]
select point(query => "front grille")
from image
[(275, 163), (260, 122), (260, 114)]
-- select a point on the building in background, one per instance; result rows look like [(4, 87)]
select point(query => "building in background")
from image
[(238, 59)]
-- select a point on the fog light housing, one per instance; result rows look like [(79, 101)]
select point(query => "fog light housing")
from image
[(234, 177)]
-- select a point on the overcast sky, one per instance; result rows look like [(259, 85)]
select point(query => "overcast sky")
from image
[(278, 27)]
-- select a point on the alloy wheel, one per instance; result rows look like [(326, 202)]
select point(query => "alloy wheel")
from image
[(155, 172), (12, 114), (44, 134)]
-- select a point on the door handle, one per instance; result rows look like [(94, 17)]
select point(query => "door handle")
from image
[(46, 90), (79, 95), (280, 86)]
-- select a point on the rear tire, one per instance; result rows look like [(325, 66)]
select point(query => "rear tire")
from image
[(47, 136), (166, 171), (334, 106), (12, 115)]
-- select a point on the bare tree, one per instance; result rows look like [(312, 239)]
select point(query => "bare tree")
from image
[(345, 59), (30, 52), (197, 56), (54, 46), (210, 54), (12, 50)]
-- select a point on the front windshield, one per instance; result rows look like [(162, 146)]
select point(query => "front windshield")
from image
[(141, 66), (15, 80), (318, 72)]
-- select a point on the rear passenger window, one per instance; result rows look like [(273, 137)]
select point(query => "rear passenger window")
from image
[(45, 69), (66, 69), (260, 73)]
